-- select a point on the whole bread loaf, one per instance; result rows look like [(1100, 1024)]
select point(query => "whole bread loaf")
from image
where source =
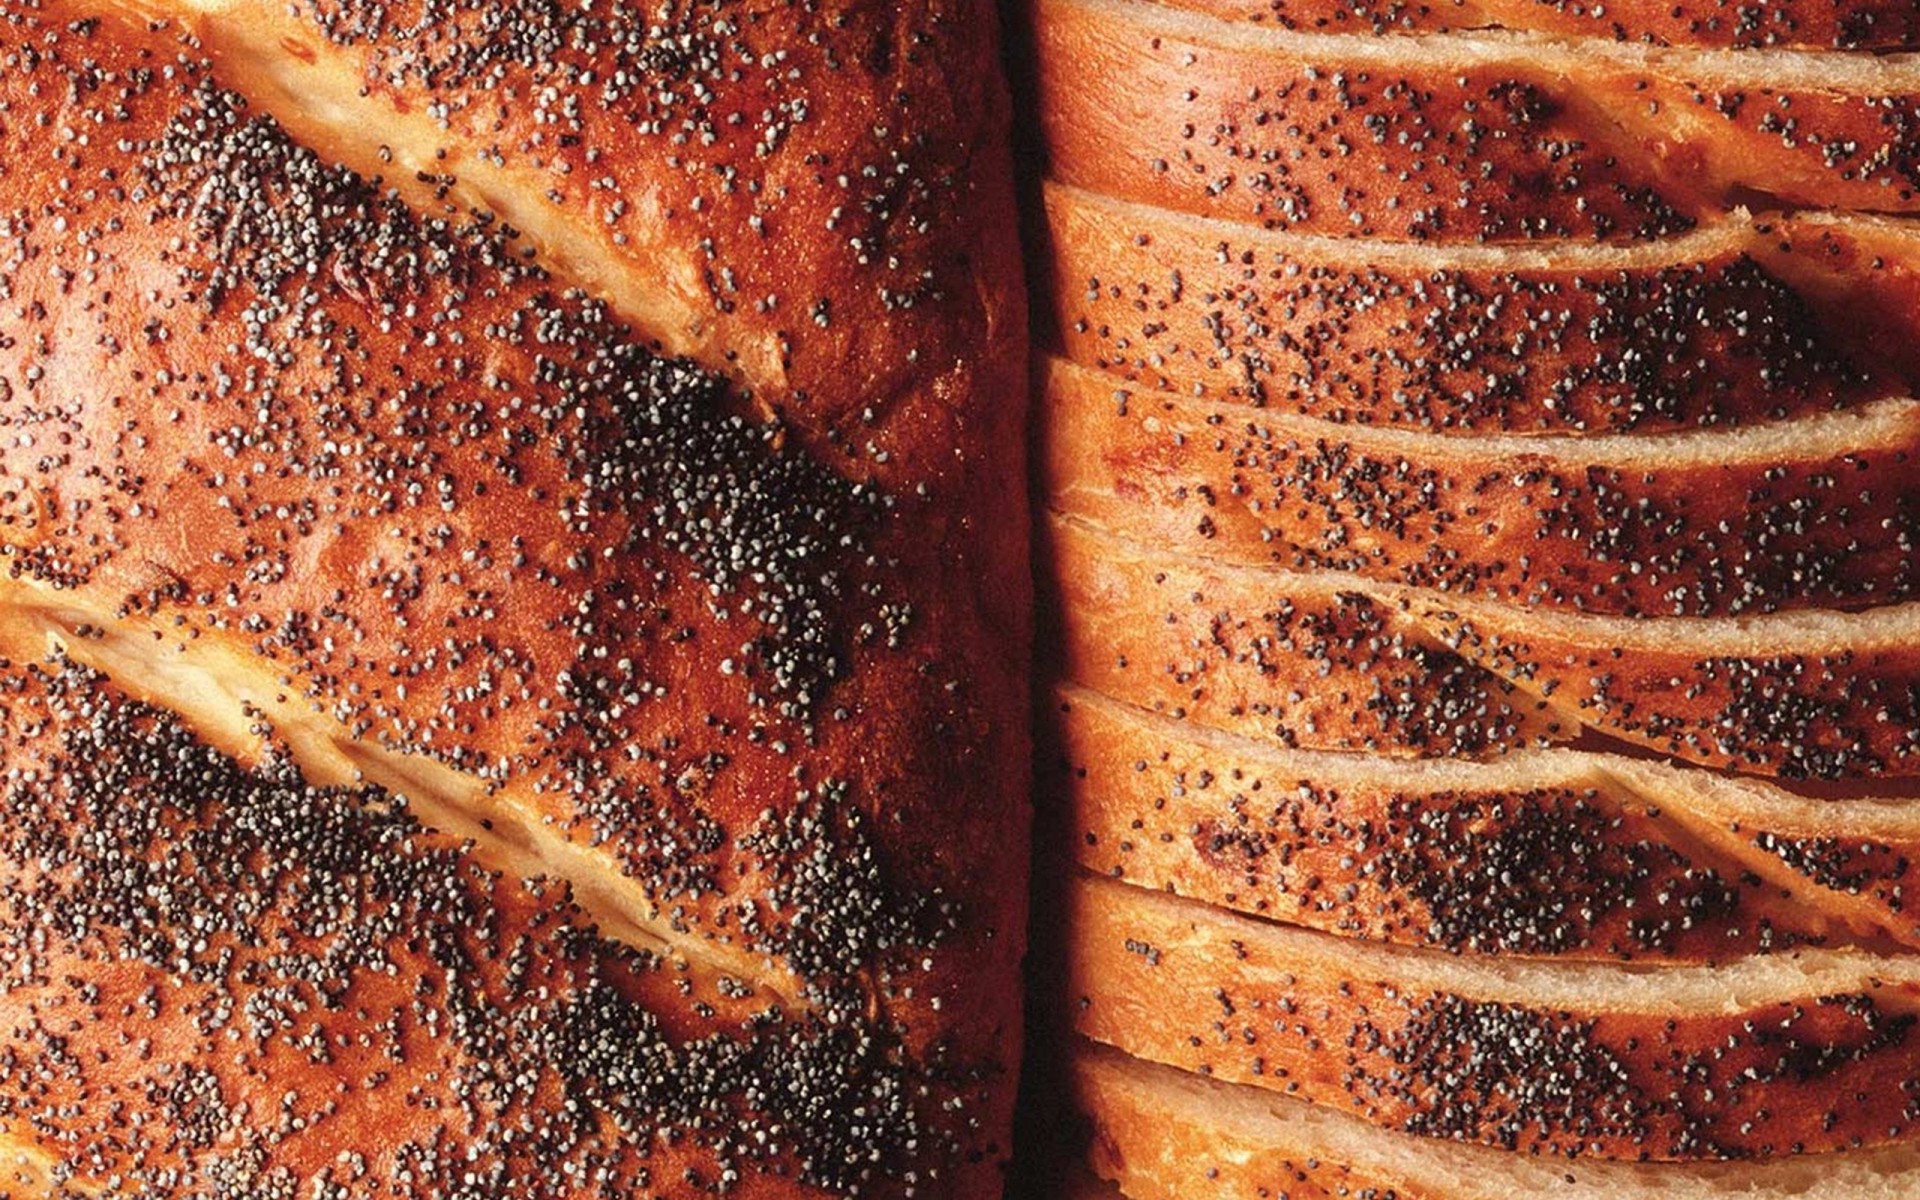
[(526, 506)]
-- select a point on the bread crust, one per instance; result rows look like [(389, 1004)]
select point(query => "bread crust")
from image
[(765, 677), (225, 979), (1639, 1076), (1313, 666), (1545, 854), (1866, 273), (1464, 342), (1805, 696), (1815, 514)]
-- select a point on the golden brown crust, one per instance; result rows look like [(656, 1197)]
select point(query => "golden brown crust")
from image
[(1320, 662), (1833, 24), (1866, 273), (1464, 342), (1635, 1074), (1560, 854), (1816, 514), (221, 977), (822, 195), (1747, 136), (768, 675), (1306, 664)]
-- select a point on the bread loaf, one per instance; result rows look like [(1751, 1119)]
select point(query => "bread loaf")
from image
[(1477, 447), (628, 477)]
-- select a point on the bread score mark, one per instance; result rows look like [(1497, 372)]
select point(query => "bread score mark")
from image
[(1783, 24), (757, 217), (1308, 662)]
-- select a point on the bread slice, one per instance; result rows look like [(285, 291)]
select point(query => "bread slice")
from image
[(1398, 139), (1820, 512), (1804, 695), (1309, 663), (1169, 1135), (1465, 340), (1769, 1056), (1554, 853), (280, 449), (1459, 138), (1852, 25), (1329, 661)]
